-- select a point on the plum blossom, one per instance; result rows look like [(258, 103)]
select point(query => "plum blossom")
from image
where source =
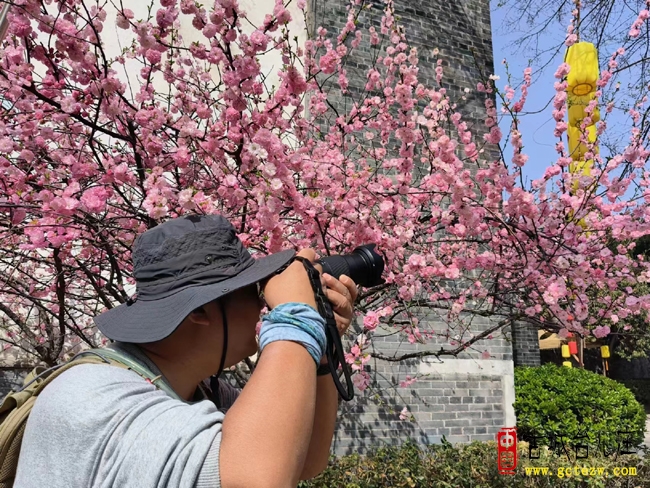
[(601, 331), (408, 381), (371, 320), (555, 291), (361, 380), (94, 199), (257, 151), (89, 162), (328, 62), (405, 414)]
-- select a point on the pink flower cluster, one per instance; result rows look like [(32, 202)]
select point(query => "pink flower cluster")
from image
[(88, 160)]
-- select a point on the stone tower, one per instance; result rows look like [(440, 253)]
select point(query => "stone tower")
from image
[(465, 398)]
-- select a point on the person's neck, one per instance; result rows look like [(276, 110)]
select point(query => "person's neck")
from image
[(181, 373)]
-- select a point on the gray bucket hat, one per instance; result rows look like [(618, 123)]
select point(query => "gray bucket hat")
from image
[(179, 266)]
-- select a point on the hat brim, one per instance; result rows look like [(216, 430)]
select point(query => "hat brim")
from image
[(153, 320)]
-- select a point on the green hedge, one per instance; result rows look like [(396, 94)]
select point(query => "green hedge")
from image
[(572, 402), (471, 466), (640, 389)]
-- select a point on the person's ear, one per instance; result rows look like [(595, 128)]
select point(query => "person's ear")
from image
[(199, 316)]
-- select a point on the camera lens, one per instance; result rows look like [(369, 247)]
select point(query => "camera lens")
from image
[(364, 266)]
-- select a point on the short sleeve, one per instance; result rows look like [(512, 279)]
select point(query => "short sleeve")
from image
[(209, 476), (103, 426)]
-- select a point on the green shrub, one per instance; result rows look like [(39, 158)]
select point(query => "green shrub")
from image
[(471, 466), (640, 389), (571, 402)]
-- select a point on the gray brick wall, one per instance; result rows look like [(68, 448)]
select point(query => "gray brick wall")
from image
[(463, 398), (525, 345), (458, 398), (459, 29), (438, 410), (11, 379)]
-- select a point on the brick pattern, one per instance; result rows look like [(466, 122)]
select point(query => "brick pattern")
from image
[(458, 406), (498, 344), (453, 406), (525, 345), (11, 379), (459, 29)]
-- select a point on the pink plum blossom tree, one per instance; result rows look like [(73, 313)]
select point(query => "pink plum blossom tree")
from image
[(89, 159)]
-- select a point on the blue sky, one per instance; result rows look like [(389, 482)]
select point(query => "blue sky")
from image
[(537, 128), (537, 125)]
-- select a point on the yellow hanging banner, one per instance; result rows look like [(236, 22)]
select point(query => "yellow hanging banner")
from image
[(583, 59), (583, 167), (578, 148), (577, 106)]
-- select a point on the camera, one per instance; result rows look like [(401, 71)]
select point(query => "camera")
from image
[(364, 265)]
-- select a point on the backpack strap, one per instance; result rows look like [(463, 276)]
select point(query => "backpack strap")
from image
[(111, 356), (17, 406), (39, 378), (14, 413)]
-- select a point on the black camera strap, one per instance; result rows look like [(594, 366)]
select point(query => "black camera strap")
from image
[(335, 354)]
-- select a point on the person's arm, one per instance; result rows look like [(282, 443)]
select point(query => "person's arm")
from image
[(327, 403), (266, 434), (267, 431), (342, 294)]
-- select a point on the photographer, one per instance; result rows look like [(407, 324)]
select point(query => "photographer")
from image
[(195, 313)]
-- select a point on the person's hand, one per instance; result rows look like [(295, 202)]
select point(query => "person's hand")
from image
[(342, 294), (292, 285)]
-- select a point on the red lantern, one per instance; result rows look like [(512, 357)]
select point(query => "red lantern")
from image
[(573, 347)]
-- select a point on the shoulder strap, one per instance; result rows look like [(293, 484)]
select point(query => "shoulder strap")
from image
[(111, 356), (36, 382), (39, 378), (14, 413), (17, 406)]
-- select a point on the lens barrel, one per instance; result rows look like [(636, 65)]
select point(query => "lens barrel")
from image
[(363, 265)]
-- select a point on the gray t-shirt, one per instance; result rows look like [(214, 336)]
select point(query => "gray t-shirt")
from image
[(104, 426)]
